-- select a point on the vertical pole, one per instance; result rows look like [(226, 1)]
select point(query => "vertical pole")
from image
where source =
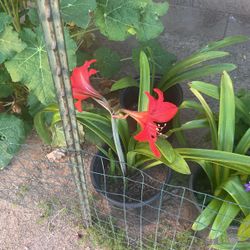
[(50, 18)]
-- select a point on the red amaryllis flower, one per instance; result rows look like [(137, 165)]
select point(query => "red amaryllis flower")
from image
[(81, 86), (158, 112)]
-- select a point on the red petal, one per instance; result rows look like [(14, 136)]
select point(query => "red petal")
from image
[(159, 110), (78, 105)]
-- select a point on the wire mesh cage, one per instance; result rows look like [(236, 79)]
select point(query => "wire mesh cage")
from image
[(123, 216)]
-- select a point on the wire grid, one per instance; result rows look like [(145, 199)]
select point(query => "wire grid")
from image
[(34, 182)]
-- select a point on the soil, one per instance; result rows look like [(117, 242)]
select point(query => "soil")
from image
[(141, 186)]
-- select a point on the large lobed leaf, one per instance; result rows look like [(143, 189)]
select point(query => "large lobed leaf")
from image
[(162, 59), (77, 11), (31, 65), (4, 20), (12, 134), (107, 61), (10, 44), (118, 19)]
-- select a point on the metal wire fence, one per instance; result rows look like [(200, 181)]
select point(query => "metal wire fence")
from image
[(123, 215)]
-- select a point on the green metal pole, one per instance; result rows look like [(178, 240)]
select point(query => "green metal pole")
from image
[(50, 18)]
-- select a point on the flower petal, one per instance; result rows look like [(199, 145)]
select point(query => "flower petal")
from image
[(159, 110)]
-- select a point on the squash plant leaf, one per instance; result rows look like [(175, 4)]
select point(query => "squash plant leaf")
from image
[(118, 19), (5, 84), (12, 134), (107, 61), (4, 20), (31, 66), (77, 11), (10, 44), (161, 58)]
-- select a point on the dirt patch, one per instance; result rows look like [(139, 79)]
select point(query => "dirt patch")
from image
[(40, 209)]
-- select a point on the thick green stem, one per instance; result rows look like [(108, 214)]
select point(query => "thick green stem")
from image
[(118, 145)]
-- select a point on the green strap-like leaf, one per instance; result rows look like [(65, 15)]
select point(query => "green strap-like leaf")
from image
[(197, 73), (100, 131), (214, 92), (41, 127), (244, 143), (209, 115), (233, 161), (124, 83), (144, 82), (206, 88), (230, 246), (244, 230), (224, 218), (235, 189), (226, 124), (189, 62), (207, 215), (176, 161), (124, 133), (194, 124), (228, 41)]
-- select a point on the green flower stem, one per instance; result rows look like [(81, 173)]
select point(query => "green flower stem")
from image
[(118, 145)]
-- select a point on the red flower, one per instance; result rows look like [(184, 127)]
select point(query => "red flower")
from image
[(81, 86), (158, 112)]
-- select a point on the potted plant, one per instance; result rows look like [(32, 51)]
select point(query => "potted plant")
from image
[(187, 69), (118, 167), (226, 185)]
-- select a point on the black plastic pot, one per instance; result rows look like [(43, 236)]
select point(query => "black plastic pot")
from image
[(101, 181), (129, 96), (198, 175)]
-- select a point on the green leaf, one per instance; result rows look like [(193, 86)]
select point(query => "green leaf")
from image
[(10, 44), (235, 189), (4, 20), (107, 61), (214, 92), (190, 104), (12, 135), (244, 230), (230, 160), (31, 66), (144, 82), (41, 127), (124, 132), (209, 115), (169, 156), (207, 215), (224, 218), (6, 86), (227, 41), (194, 124), (118, 19), (196, 73), (160, 58), (226, 125), (33, 16), (189, 62), (206, 88), (124, 83), (244, 143), (230, 246), (34, 104), (77, 11)]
